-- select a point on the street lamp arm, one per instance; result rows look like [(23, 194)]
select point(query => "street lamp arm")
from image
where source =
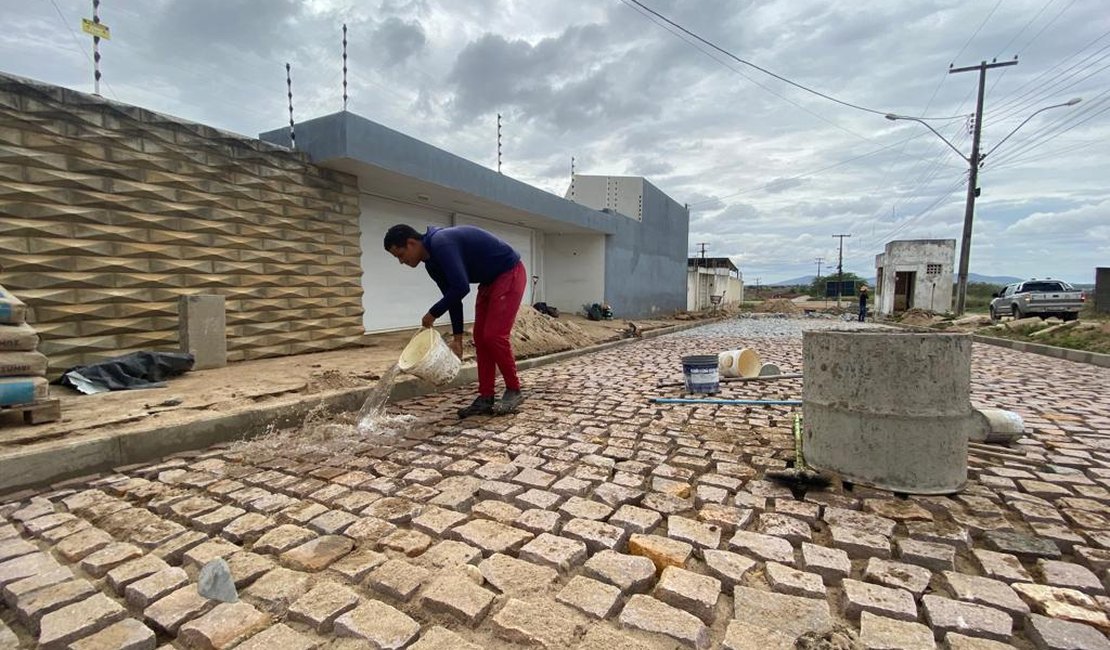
[(892, 117), (1071, 102)]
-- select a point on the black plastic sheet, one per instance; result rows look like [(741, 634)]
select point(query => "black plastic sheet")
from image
[(128, 372)]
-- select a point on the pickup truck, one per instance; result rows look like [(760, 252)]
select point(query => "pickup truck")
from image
[(1042, 298)]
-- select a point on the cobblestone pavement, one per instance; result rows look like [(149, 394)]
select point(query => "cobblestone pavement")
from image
[(592, 519)]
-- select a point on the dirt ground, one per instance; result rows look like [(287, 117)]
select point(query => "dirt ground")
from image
[(247, 384)]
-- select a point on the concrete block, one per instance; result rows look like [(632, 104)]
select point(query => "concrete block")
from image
[(203, 330)]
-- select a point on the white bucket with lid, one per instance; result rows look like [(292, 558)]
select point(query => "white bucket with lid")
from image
[(429, 358), (744, 362)]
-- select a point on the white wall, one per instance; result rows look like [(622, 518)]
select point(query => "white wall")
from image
[(518, 237), (701, 283), (623, 194), (932, 292), (573, 271)]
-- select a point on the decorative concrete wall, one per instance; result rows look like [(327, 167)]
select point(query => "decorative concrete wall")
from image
[(109, 213)]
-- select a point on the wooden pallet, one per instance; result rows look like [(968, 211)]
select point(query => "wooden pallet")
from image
[(40, 412)]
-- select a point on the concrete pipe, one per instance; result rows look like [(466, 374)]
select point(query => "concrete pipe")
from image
[(890, 410)]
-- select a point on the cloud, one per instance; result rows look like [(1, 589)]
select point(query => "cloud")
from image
[(397, 39)]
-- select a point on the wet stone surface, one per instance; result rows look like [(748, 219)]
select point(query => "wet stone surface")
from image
[(591, 518)]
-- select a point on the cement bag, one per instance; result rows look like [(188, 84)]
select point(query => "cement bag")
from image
[(23, 390), (12, 309), (23, 364), (14, 338)]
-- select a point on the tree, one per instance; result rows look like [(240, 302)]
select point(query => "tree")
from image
[(817, 287)]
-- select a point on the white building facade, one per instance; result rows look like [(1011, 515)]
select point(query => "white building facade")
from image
[(915, 274)]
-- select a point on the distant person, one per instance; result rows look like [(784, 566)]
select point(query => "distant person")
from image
[(455, 258), (863, 295)]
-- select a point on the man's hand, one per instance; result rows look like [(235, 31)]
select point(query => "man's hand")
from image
[(428, 320), (456, 345)]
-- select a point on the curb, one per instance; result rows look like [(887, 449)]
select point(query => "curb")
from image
[(1068, 354), (49, 462)]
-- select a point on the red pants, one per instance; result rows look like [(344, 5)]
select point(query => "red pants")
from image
[(494, 313)]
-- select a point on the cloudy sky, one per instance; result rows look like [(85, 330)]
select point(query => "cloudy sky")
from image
[(770, 171)]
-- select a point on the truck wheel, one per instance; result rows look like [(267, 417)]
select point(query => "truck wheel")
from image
[(1015, 311), (994, 313), (1069, 316)]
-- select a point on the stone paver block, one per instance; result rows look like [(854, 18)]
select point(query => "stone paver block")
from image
[(537, 498), (491, 537), (538, 521), (369, 530), (128, 634), (662, 551), (379, 625), (861, 521), (409, 542), (496, 510), (1066, 604), (730, 568), (883, 601), (728, 518), (577, 507), (696, 533), (440, 638), (278, 588), (281, 539), (63, 626), (945, 615), (516, 577), (788, 580), (617, 496), (33, 606), (16, 547), (318, 553), (596, 535), (689, 591), (742, 636), (78, 545), (1001, 566), (145, 592), (1026, 547), (537, 624), (899, 575), (1070, 576), (14, 591), (136, 569), (559, 553), (395, 510), (590, 597), (650, 615), (833, 565), (449, 553), (398, 579), (790, 615), (357, 565), (177, 608), (279, 636), (203, 553), (762, 547), (881, 633), (223, 626), (436, 521), (629, 573), (247, 528), (932, 556), (636, 519), (1053, 634), (101, 562), (859, 544), (985, 591), (791, 529), (323, 604), (456, 594), (246, 567)]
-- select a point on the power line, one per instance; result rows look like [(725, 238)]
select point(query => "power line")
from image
[(768, 72), (1055, 129), (1022, 30), (1053, 88), (1016, 95)]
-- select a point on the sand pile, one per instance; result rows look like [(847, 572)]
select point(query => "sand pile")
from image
[(778, 307), (536, 333), (918, 317)]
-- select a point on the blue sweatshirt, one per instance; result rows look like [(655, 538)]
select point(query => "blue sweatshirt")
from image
[(460, 256)]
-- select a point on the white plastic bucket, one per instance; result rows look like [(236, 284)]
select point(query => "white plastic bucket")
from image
[(748, 362), (769, 370), (429, 358), (726, 364)]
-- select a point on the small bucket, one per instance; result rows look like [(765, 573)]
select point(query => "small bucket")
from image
[(429, 358), (701, 374), (726, 363), (769, 370)]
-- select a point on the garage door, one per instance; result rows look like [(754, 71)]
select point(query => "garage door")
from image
[(396, 296)]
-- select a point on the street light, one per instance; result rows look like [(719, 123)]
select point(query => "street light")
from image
[(973, 161)]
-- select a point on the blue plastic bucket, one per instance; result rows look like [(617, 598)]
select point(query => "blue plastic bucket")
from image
[(701, 374)]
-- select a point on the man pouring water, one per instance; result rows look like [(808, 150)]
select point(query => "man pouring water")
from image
[(455, 258)]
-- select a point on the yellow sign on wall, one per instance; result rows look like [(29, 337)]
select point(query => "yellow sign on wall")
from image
[(95, 29)]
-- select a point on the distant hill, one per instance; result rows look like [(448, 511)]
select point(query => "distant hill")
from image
[(971, 277)]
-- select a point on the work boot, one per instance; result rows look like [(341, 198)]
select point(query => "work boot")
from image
[(482, 405), (508, 402)]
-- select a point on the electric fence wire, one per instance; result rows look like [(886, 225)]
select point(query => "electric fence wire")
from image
[(80, 48)]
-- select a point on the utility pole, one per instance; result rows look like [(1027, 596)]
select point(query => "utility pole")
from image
[(840, 268), (972, 179), (697, 277), (819, 261)]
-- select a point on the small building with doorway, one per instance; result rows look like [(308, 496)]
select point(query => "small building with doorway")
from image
[(712, 281), (915, 274)]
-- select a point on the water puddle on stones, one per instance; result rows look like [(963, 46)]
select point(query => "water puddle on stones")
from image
[(341, 434)]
